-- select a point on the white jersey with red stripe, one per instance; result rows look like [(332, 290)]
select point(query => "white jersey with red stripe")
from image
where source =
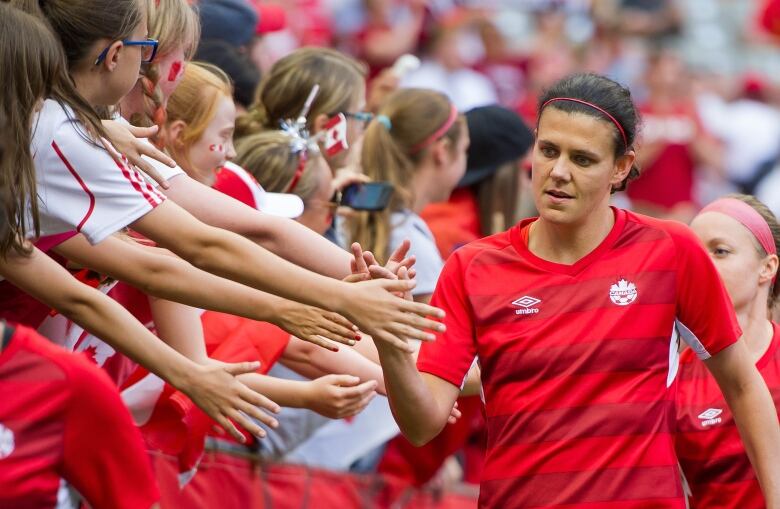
[(163, 169), (80, 186)]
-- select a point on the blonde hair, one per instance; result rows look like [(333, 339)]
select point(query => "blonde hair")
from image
[(195, 102), (284, 89), (269, 157), (175, 24), (774, 227), (393, 155)]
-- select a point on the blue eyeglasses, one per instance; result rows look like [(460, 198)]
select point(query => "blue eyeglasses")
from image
[(148, 50)]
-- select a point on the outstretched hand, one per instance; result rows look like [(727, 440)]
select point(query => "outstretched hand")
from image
[(340, 396), (131, 141), (215, 389), (317, 326)]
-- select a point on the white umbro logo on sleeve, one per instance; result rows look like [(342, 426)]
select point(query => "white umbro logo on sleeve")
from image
[(524, 303), (710, 416)]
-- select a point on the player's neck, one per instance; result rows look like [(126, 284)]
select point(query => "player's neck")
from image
[(568, 243), (756, 328)]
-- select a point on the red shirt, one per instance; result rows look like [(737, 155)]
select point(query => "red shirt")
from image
[(577, 360), (711, 453), (61, 417), (668, 179)]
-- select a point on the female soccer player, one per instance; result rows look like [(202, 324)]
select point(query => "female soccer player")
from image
[(575, 317), (742, 236)]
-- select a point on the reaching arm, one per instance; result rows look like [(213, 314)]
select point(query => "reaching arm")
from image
[(334, 396), (212, 388), (368, 304), (421, 403), (754, 412), (284, 237), (168, 277), (312, 362)]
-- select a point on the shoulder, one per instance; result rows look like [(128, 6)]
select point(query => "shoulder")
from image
[(57, 361), (676, 232)]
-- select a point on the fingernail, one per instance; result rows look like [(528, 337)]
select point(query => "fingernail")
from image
[(352, 342), (242, 439), (430, 337), (357, 337)]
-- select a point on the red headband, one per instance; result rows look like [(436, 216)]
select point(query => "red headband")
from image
[(748, 217), (598, 108), (438, 133), (298, 171)]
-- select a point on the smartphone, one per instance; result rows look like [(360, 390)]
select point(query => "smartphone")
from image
[(372, 196)]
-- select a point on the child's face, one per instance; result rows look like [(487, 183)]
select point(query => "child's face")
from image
[(120, 82), (215, 146), (318, 209)]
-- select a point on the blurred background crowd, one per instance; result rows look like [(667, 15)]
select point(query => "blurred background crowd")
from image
[(700, 69)]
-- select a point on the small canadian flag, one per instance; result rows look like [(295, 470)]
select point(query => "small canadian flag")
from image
[(336, 135)]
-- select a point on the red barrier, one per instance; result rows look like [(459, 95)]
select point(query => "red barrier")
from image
[(228, 482)]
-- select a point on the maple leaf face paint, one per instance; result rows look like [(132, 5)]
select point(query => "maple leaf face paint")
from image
[(177, 69)]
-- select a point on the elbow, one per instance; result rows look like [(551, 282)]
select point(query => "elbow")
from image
[(419, 438)]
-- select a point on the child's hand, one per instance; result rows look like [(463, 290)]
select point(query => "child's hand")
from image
[(317, 326), (215, 389), (129, 140), (339, 396)]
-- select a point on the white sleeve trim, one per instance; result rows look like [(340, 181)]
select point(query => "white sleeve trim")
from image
[(692, 341)]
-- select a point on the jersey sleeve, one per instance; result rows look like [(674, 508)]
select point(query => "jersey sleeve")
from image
[(104, 455), (82, 187), (705, 317), (453, 352)]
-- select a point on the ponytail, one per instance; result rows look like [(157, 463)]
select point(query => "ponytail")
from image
[(394, 144)]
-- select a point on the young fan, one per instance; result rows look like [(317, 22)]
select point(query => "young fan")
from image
[(285, 238), (742, 237), (417, 143), (104, 76), (575, 317), (284, 90), (213, 388)]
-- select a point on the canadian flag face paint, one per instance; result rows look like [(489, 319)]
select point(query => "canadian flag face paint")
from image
[(336, 135), (177, 68), (214, 147)]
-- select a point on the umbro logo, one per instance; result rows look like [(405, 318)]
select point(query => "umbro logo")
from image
[(524, 303), (710, 416)]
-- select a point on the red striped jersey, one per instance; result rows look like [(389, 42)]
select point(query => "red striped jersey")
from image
[(61, 417), (579, 361), (80, 186), (712, 456)]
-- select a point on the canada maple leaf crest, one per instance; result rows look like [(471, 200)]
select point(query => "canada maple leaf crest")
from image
[(623, 293)]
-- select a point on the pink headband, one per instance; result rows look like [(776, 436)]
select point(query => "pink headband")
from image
[(439, 132), (748, 217), (602, 110)]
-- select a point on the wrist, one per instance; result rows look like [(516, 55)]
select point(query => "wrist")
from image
[(181, 373)]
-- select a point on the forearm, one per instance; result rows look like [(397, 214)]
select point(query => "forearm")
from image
[(284, 237), (224, 255), (415, 407), (756, 417), (180, 327), (288, 393), (159, 274), (48, 282), (313, 362)]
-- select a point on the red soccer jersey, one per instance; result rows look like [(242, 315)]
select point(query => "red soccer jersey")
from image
[(578, 361), (61, 417), (711, 453)]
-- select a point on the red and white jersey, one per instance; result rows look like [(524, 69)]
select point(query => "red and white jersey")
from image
[(579, 361), (712, 456), (80, 186), (61, 417), (236, 182)]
